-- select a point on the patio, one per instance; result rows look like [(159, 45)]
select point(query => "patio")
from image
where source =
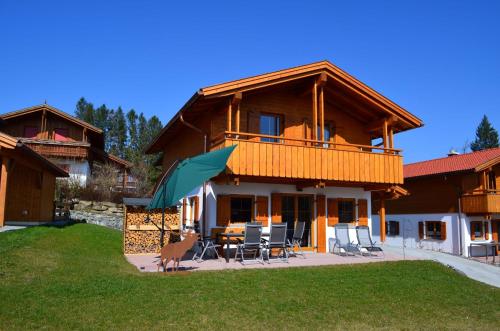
[(148, 262)]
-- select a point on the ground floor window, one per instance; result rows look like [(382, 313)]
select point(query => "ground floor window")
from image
[(346, 211), (478, 230), (433, 230), (392, 228), (241, 209)]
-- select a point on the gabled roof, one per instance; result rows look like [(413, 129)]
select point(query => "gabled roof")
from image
[(475, 161), (8, 142), (282, 76), (52, 110)]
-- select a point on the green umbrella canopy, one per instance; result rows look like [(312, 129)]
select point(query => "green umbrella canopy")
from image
[(188, 175)]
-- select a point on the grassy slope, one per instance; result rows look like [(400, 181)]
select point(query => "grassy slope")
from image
[(76, 277)]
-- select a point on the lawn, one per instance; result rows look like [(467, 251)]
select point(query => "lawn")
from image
[(77, 278)]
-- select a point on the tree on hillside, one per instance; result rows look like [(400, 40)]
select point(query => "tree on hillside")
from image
[(133, 139), (117, 134), (486, 136)]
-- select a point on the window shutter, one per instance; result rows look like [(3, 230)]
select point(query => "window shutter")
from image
[(443, 230), (362, 212), (196, 202), (321, 222), (397, 227), (262, 210), (223, 210), (276, 208), (420, 230), (184, 210), (486, 232), (333, 212)]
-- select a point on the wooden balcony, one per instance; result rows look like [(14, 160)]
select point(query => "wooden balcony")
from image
[(304, 159), (481, 202), (52, 148)]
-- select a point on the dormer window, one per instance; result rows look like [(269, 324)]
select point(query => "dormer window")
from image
[(31, 132), (60, 134)]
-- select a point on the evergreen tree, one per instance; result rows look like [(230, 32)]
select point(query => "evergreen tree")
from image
[(486, 136), (142, 133), (101, 119), (117, 135), (85, 111), (132, 153)]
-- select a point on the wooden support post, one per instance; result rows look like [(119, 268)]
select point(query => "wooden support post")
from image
[(381, 214), (484, 180), (84, 135), (315, 111), (238, 118), (4, 176), (43, 124), (391, 138), (384, 133), (235, 102), (322, 113), (229, 116)]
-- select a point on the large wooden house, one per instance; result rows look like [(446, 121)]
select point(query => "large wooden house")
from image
[(306, 150), (27, 184), (454, 202), (74, 145)]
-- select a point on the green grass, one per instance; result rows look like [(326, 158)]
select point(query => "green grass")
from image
[(77, 278)]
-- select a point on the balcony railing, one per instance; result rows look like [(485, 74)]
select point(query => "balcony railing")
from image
[(481, 202), (310, 159)]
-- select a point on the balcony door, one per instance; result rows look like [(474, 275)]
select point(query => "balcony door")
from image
[(298, 208)]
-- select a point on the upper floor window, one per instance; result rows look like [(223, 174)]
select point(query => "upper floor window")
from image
[(270, 125), (60, 134), (31, 131), (328, 132), (346, 211)]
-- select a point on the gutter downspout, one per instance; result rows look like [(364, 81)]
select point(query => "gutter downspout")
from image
[(205, 147)]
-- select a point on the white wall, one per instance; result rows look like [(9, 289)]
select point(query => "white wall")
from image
[(408, 232), (267, 189), (78, 169)]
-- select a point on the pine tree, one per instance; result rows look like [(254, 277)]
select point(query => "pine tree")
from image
[(101, 119), (132, 153), (85, 111), (486, 136), (117, 135)]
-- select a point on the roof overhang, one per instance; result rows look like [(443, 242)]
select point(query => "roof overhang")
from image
[(333, 73)]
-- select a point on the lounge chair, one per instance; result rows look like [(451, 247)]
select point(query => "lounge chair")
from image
[(296, 242), (251, 243), (277, 240), (343, 241), (365, 240)]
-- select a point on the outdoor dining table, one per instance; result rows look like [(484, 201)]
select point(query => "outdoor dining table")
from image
[(486, 245), (229, 236)]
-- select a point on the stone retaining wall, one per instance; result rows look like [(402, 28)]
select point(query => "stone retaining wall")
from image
[(101, 213)]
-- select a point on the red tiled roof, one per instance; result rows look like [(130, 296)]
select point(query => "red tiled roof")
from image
[(454, 163)]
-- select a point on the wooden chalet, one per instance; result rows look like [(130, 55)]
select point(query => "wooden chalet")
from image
[(454, 202), (305, 151), (71, 143), (27, 183)]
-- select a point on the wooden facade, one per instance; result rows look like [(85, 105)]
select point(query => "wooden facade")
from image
[(27, 183), (308, 126), (60, 137)]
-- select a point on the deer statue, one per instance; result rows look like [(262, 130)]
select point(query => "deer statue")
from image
[(175, 251)]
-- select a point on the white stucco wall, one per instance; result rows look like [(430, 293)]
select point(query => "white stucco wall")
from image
[(408, 232), (78, 169), (267, 189)]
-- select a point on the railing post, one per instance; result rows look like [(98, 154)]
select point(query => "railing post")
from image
[(384, 133)]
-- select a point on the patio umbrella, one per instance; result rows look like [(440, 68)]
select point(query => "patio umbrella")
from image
[(186, 176)]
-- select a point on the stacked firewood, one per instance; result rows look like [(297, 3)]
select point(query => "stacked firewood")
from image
[(141, 236)]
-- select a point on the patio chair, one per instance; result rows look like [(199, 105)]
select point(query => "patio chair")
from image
[(251, 243), (343, 241), (365, 240), (277, 240), (205, 245), (296, 242)]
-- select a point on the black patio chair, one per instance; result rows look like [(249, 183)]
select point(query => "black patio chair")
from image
[(251, 243), (277, 240), (296, 242)]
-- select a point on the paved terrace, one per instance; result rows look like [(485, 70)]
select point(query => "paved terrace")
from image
[(148, 262)]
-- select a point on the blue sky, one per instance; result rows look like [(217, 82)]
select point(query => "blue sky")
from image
[(438, 59)]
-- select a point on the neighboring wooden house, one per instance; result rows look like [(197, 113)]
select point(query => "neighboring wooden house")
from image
[(305, 152), (71, 143), (27, 184), (454, 201)]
